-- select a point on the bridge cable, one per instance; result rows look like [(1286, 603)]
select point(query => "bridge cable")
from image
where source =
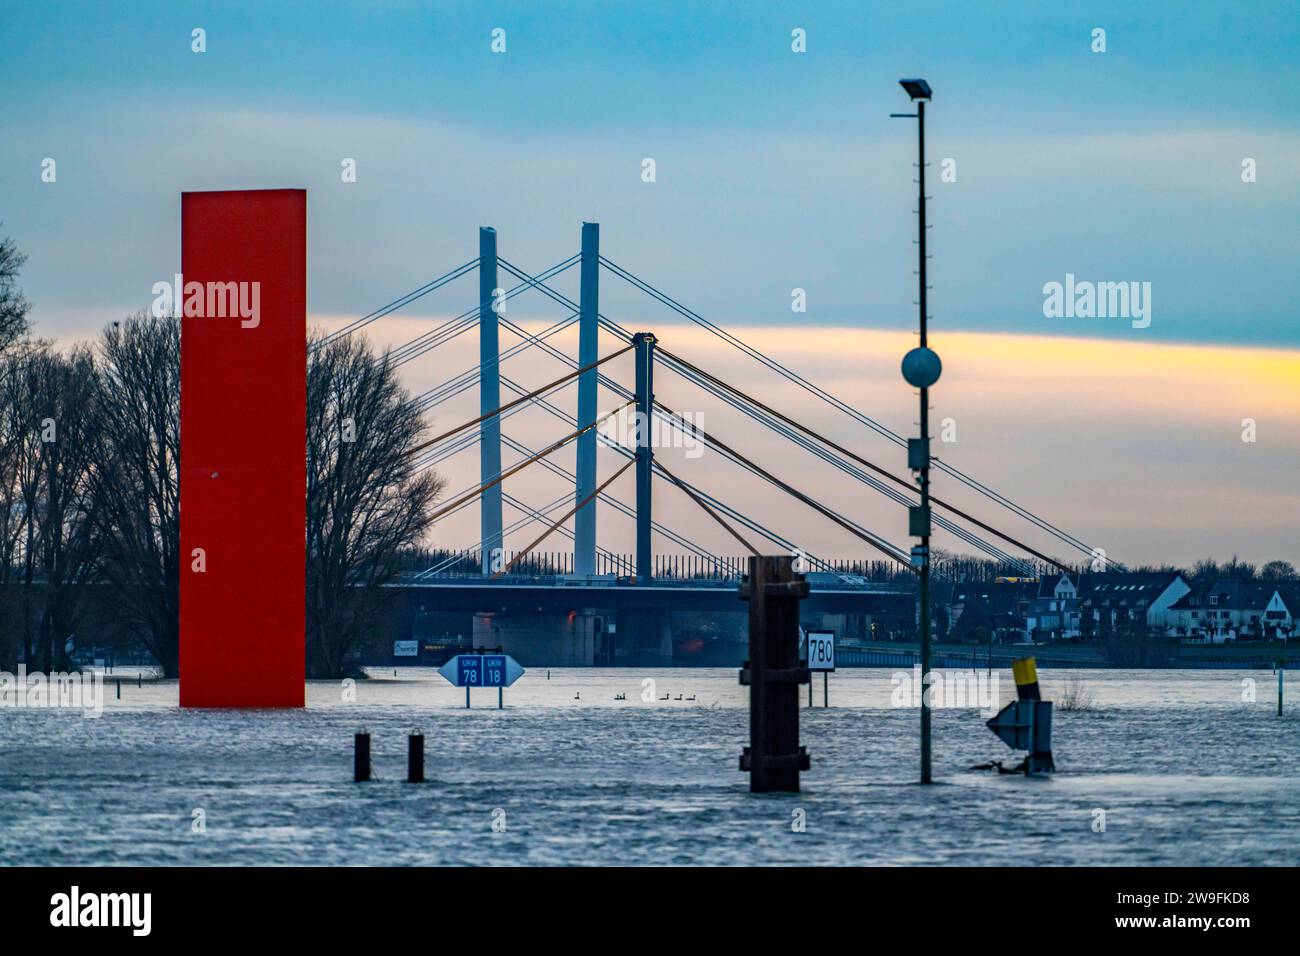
[(524, 464), (878, 543), (521, 399), (458, 383), (567, 515), (839, 404), (530, 515), (966, 536), (767, 533), (862, 461), (611, 443), (397, 303), (613, 502), (849, 469), (709, 511), (608, 555), (424, 342)]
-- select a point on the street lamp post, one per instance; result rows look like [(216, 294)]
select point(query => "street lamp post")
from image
[(921, 369)]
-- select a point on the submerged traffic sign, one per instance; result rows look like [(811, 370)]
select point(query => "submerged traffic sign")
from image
[(482, 670), (1027, 725), (1014, 723)]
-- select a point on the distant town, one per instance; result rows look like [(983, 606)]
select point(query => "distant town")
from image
[(1210, 606), (1210, 614)]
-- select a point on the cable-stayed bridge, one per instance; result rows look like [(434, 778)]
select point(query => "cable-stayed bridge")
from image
[(669, 568)]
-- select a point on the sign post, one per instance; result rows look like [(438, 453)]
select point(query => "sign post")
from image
[(482, 670), (821, 657)]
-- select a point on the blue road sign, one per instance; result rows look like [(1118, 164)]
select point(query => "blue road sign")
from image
[(469, 670), (494, 670), (482, 670)]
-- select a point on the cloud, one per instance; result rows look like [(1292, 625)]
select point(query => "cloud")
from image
[(735, 221), (1135, 447)]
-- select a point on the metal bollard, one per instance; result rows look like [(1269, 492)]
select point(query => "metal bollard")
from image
[(361, 758), (773, 674), (415, 758), (1026, 722)]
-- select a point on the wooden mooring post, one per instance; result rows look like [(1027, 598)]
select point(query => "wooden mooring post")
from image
[(773, 674), (361, 757), (415, 758)]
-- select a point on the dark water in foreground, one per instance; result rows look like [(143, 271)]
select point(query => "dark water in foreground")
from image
[(1185, 770)]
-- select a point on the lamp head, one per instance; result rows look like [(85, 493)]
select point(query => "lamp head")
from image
[(917, 89)]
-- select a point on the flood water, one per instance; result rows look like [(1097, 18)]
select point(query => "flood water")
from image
[(1181, 765)]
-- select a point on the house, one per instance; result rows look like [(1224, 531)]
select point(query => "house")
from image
[(1282, 612), (1229, 609), (1120, 599), (1053, 612), (983, 611), (1097, 605)]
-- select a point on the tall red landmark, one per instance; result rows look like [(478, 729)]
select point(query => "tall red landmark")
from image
[(243, 448)]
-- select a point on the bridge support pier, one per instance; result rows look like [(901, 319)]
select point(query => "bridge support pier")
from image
[(489, 392), (547, 639), (644, 345), (584, 522)]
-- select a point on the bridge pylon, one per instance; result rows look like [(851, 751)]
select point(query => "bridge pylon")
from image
[(489, 391), (584, 522), (644, 345)]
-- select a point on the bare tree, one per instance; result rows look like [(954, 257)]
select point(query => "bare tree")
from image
[(365, 501), (51, 439), (15, 516), (136, 483), (13, 307)]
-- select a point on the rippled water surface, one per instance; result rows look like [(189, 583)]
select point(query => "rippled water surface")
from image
[(1186, 771)]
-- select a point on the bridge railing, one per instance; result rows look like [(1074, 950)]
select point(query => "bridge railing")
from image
[(618, 570)]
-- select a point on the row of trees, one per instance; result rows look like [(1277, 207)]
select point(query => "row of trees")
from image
[(90, 489), (966, 567), (1208, 569)]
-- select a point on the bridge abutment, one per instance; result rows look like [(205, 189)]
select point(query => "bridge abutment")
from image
[(573, 639), (586, 638)]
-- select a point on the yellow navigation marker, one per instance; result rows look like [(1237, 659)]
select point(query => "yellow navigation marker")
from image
[(1025, 673)]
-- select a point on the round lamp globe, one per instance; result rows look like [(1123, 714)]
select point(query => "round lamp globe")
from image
[(921, 367)]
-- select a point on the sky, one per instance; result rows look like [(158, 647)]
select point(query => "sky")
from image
[(775, 170)]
